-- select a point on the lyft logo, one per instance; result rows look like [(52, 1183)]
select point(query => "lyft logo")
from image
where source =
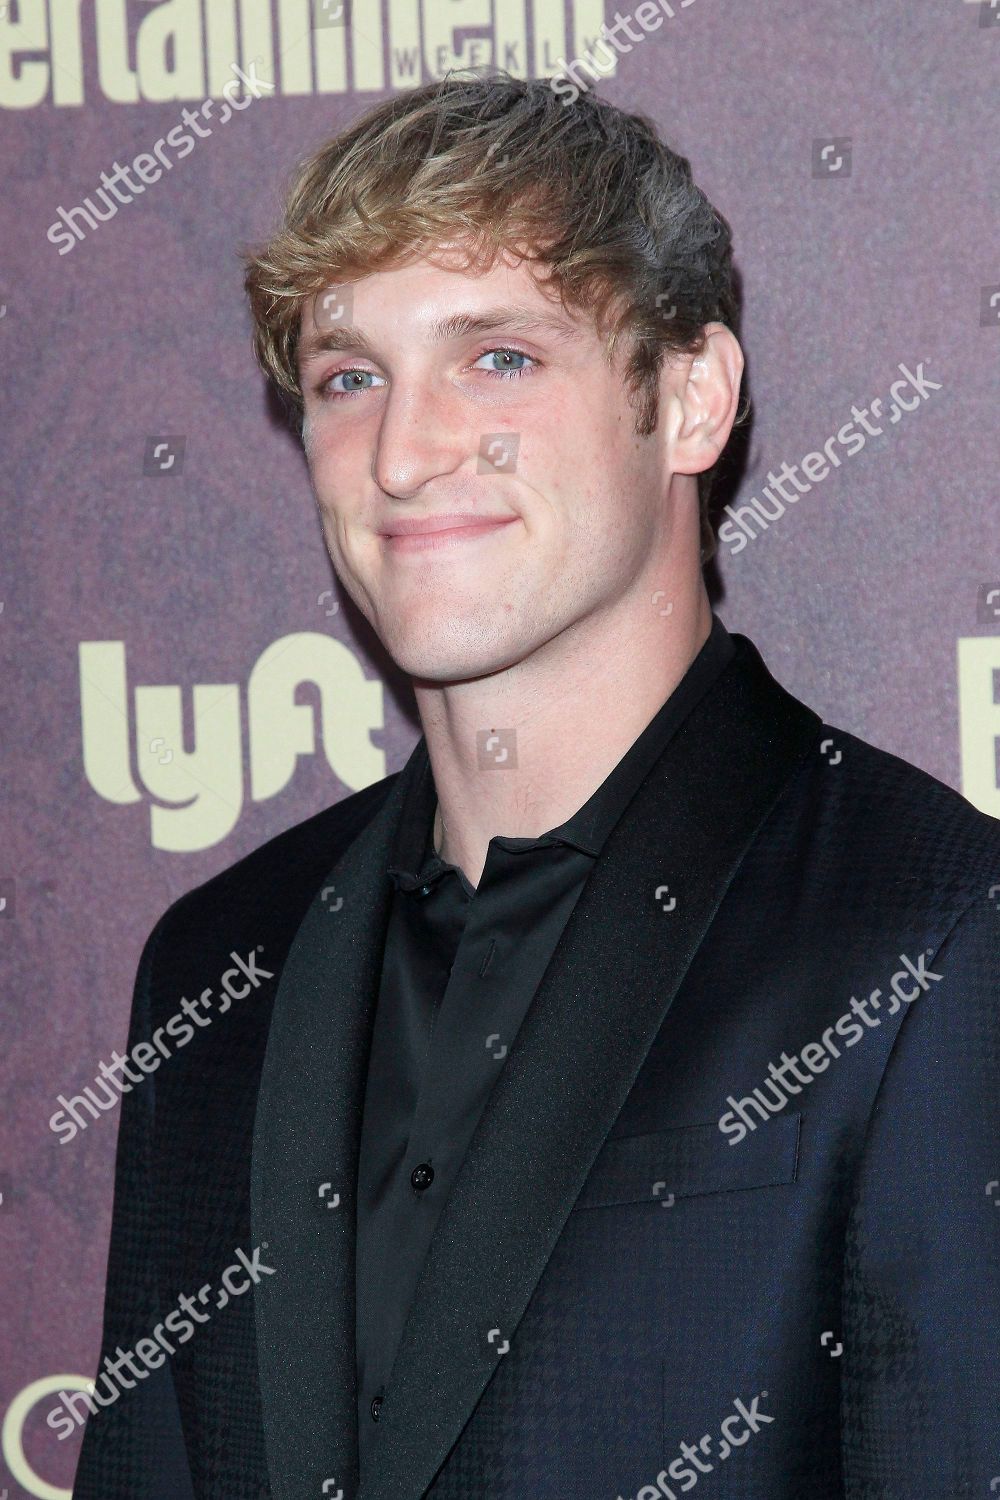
[(196, 795)]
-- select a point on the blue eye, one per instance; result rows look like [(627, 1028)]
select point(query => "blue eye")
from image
[(507, 370), (326, 386)]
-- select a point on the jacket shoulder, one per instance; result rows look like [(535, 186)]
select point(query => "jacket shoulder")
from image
[(894, 820), (279, 878)]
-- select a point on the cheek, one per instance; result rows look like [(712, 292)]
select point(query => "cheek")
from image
[(337, 452), (335, 486), (608, 530), (342, 545)]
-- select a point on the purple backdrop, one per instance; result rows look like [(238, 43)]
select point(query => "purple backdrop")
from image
[(184, 677)]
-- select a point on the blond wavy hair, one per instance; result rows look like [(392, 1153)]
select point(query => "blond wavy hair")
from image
[(605, 214)]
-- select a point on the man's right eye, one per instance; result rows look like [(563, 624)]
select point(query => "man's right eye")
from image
[(328, 389)]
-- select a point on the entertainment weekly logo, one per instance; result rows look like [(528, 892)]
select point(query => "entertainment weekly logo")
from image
[(157, 53)]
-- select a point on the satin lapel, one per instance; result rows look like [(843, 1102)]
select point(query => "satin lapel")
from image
[(304, 1169), (602, 1000)]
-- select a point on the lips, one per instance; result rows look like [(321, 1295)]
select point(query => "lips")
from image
[(417, 535)]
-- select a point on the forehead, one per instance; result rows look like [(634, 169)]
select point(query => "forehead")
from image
[(438, 305)]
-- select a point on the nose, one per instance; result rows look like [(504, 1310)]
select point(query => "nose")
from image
[(424, 434)]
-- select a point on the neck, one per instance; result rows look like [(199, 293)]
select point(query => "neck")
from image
[(565, 716)]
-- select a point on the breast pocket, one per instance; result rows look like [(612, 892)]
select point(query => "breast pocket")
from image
[(688, 1161)]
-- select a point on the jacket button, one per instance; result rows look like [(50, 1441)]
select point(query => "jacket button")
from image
[(422, 1176), (376, 1407)]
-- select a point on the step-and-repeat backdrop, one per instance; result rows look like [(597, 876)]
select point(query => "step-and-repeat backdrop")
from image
[(184, 677)]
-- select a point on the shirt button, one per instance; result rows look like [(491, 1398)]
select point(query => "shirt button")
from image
[(422, 1176), (376, 1407), (424, 890)]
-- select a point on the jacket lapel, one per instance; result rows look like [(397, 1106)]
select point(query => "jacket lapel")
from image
[(602, 1000), (304, 1166)]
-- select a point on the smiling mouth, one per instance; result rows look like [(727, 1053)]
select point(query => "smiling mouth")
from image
[(445, 537)]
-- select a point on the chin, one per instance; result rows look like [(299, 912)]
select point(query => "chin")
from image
[(454, 650)]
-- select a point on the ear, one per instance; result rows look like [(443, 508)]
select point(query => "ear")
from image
[(703, 392)]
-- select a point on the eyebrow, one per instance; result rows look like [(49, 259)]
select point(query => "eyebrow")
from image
[(443, 330)]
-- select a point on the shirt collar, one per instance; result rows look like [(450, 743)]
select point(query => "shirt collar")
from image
[(414, 860)]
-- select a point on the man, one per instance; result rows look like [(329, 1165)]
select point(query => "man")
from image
[(614, 1104)]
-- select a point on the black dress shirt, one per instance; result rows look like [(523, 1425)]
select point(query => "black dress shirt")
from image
[(460, 968)]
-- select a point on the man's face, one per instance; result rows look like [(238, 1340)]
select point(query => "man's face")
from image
[(516, 437)]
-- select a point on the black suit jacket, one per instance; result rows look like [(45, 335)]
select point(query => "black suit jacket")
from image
[(613, 1272)]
